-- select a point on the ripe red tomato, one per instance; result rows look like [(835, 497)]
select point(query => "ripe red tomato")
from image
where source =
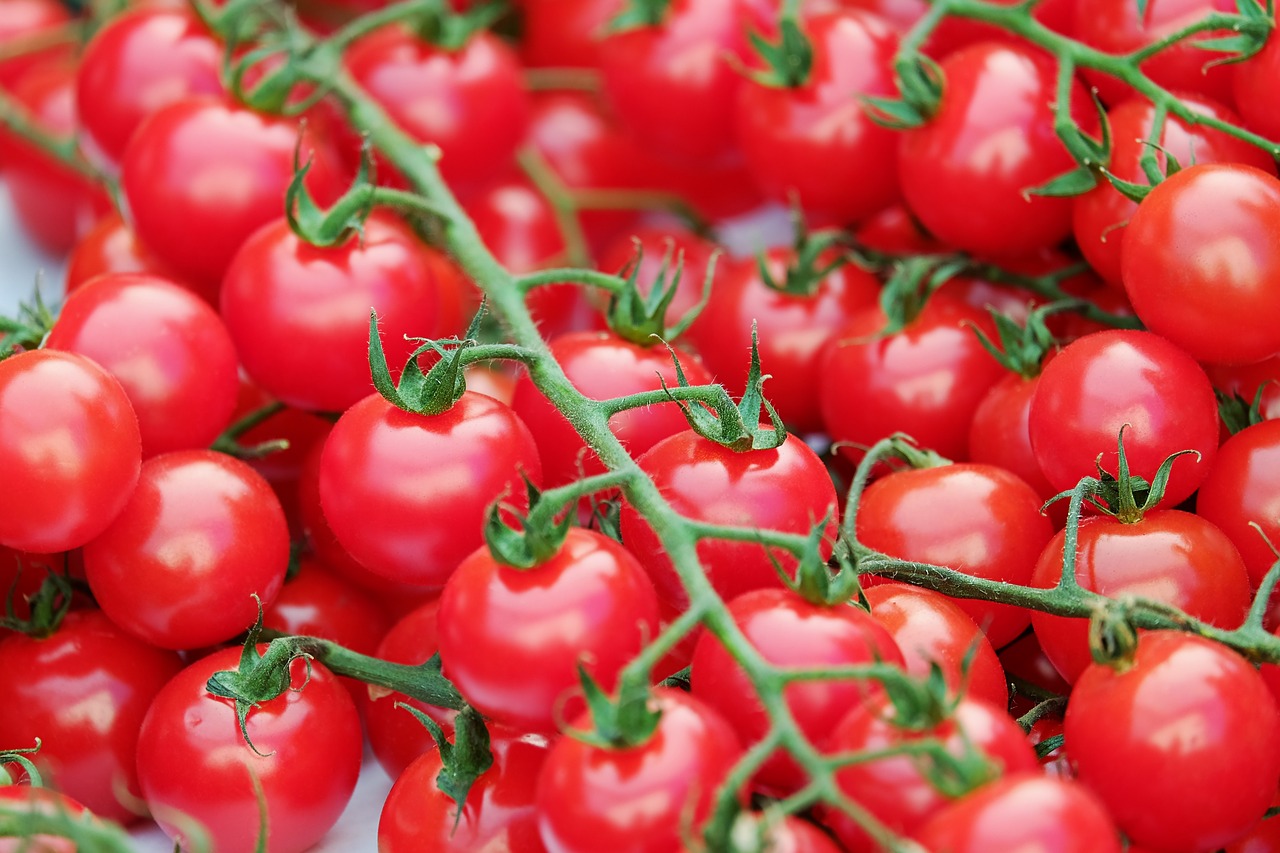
[(70, 450), (1245, 380), (1106, 380), (638, 798), (1182, 745), (190, 734), (110, 247), (1000, 435), (1252, 81), (1243, 486), (564, 33), (24, 19), (201, 535), (786, 489)]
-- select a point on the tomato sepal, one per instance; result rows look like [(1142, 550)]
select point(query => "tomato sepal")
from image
[(642, 318), (628, 721), (464, 760)]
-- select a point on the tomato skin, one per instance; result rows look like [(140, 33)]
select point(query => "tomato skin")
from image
[(110, 247), (168, 349), (930, 628), (1245, 380), (21, 19), (788, 631), (965, 194), (406, 494), (809, 141), (1025, 812), (784, 489), (191, 734), (512, 639), (978, 519), (139, 62), (1000, 434), (1252, 82), (45, 681), (1182, 746), (1201, 262), (636, 799), (201, 535), (1169, 556), (564, 33), (59, 496), (1105, 380), (499, 813), (1243, 486)]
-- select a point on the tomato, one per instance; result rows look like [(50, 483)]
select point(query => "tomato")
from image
[(69, 447), (895, 789), (788, 631), (142, 60), (499, 811), (22, 799), (24, 19), (110, 247), (1244, 381), (50, 683), (407, 494), (1182, 745), (203, 160), (637, 799), (190, 734), (1024, 659), (1105, 380), (930, 629), (785, 489), (22, 575), (467, 102), (687, 250), (1251, 85), (564, 33), (978, 519), (1000, 435), (602, 365), (1169, 556), (1024, 812), (201, 536), (925, 380), (1243, 486), (1202, 262), (895, 231), (965, 172)]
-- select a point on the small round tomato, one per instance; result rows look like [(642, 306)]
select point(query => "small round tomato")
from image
[(111, 247), (1243, 488), (190, 734), (1246, 380), (564, 33), (676, 247), (1253, 86), (1181, 744), (999, 434), (70, 450), (27, 19), (201, 536)]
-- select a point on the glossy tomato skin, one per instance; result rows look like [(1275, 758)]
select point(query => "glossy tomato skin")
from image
[(1197, 789), (1105, 380), (21, 19), (47, 684), (61, 493), (809, 141), (499, 813), (1246, 380), (1169, 556), (1201, 262), (636, 799), (783, 489), (191, 734), (226, 167), (978, 519), (1243, 486), (406, 494), (168, 349), (1252, 84), (139, 62), (299, 313), (926, 380), (929, 628), (1023, 812), (1000, 435), (201, 536), (468, 102), (564, 33), (997, 98), (512, 639), (110, 247)]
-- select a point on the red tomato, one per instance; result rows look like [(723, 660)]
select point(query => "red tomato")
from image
[(1202, 262), (190, 734), (976, 519), (201, 536), (1105, 380), (895, 231), (1243, 486), (1000, 435), (786, 489), (1245, 380), (1169, 556), (931, 629), (407, 494), (142, 60), (70, 450), (1024, 659), (965, 172), (1182, 745), (168, 349), (24, 19), (110, 247), (638, 799), (22, 575), (1252, 85), (564, 33), (788, 631)]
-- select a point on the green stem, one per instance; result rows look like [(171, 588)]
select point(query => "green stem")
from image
[(15, 118), (547, 182), (571, 275)]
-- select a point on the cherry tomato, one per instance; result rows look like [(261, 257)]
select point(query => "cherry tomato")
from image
[(1245, 380), (676, 246), (1252, 87), (564, 33), (110, 247), (29, 19), (22, 575), (1000, 435), (1243, 486)]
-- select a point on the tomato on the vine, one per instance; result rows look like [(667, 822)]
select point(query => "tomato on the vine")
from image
[(1243, 489)]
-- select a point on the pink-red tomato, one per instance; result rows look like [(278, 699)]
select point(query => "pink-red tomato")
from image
[(110, 247), (1252, 85), (999, 434), (21, 20), (564, 33), (1243, 487)]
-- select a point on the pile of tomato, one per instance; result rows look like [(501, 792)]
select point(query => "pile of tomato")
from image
[(204, 436)]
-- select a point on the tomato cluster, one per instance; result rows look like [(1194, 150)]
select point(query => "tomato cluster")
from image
[(706, 543)]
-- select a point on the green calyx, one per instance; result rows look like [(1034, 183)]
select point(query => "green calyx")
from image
[(429, 393), (465, 759), (920, 84), (642, 318), (26, 330), (788, 61), (533, 539), (1091, 155), (814, 581), (814, 258), (1113, 641), (1126, 496), (1237, 413), (1023, 348), (639, 14), (630, 720), (912, 281), (449, 30), (49, 605), (344, 219)]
